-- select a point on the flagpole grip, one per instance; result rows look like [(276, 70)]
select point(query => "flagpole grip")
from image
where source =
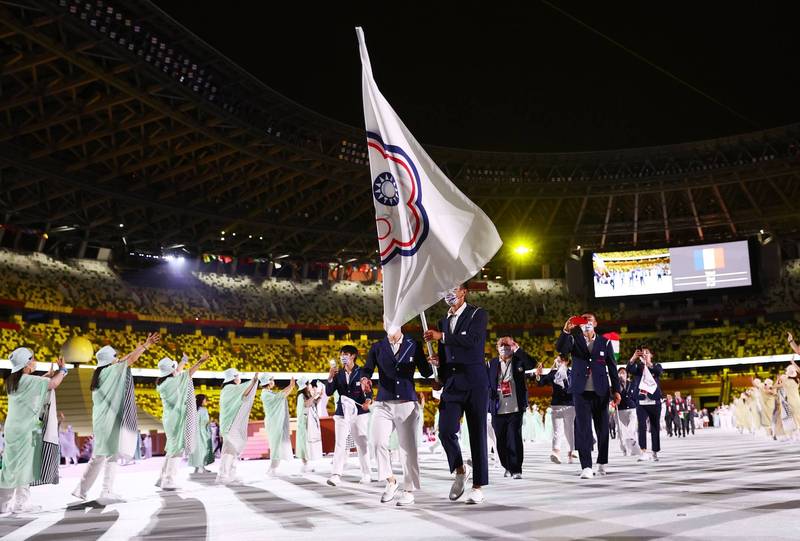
[(428, 344)]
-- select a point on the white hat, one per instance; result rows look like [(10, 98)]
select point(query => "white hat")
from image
[(263, 379), (20, 358), (166, 366), (302, 381), (105, 356), (230, 374)]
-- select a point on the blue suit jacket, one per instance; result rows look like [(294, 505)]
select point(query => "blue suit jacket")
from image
[(600, 359), (396, 374), (461, 353), (635, 370), (353, 390)]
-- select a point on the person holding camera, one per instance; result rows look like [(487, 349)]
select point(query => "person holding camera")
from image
[(594, 384), (648, 400), (563, 412)]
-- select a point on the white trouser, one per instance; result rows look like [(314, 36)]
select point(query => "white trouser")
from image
[(403, 417), (358, 429), (14, 499), (491, 438), (227, 466), (93, 470), (563, 427), (169, 470), (628, 431)]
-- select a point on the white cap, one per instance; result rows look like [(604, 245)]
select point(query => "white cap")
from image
[(166, 366), (230, 374), (302, 381), (20, 358), (263, 379), (105, 356)]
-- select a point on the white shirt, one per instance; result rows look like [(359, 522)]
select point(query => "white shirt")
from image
[(457, 314), (396, 345)]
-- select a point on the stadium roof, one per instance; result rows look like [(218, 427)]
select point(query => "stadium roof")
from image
[(118, 124)]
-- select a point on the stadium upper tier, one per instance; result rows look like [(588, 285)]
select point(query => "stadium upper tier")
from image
[(116, 114), (232, 316), (92, 288)]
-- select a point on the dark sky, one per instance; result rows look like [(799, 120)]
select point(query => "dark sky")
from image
[(497, 76)]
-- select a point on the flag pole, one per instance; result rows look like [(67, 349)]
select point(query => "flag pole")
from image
[(428, 344)]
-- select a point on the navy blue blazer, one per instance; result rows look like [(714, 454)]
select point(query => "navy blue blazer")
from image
[(562, 396), (396, 373), (353, 390), (635, 370), (628, 398), (600, 359), (520, 362), (461, 363)]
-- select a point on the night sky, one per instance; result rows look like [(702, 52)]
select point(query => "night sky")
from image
[(497, 76)]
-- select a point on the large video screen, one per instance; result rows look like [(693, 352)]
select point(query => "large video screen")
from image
[(668, 270)]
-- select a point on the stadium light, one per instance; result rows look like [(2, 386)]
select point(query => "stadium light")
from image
[(522, 250)]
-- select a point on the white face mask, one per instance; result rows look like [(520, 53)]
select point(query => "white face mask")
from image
[(504, 351), (587, 327), (450, 298), (344, 359)]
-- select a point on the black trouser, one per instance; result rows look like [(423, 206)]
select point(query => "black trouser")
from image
[(653, 413), (591, 408), (508, 430), (472, 405), (692, 420), (685, 425), (668, 422), (612, 427)]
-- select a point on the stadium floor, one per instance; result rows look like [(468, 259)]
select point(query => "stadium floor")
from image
[(715, 485)]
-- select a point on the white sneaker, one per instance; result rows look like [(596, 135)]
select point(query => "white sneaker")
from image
[(390, 491), (516, 476), (475, 496), (26, 509), (587, 473), (457, 489), (655, 457), (624, 452), (334, 480), (110, 496), (601, 469), (507, 474), (271, 473), (77, 493), (644, 457), (555, 459), (365, 480), (406, 498)]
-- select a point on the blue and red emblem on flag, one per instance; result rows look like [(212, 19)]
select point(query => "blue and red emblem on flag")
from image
[(400, 217)]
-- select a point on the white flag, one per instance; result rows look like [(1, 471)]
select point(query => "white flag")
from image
[(648, 383), (431, 238)]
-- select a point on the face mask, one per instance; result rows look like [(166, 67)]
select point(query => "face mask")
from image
[(450, 298), (588, 327), (344, 359), (504, 351)]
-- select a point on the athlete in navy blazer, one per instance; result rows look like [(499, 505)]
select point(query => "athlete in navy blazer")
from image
[(396, 372), (648, 405), (465, 389), (591, 406)]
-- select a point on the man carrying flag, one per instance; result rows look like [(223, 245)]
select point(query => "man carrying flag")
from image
[(431, 240)]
